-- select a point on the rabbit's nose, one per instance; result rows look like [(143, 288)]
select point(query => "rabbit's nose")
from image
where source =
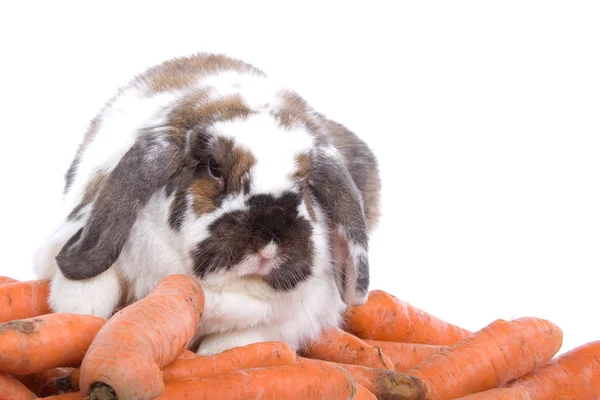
[(268, 252)]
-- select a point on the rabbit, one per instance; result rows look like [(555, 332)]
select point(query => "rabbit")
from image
[(202, 165)]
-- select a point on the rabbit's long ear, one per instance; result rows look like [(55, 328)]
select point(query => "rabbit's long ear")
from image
[(146, 167), (335, 191)]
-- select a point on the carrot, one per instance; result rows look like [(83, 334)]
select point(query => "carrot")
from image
[(48, 341), (489, 358), (384, 384), (186, 355), (384, 317), (264, 354), (43, 383), (20, 300), (362, 393), (286, 382), (70, 382), (572, 375), (125, 359), (499, 394), (5, 279), (342, 347), (404, 356), (66, 396), (12, 389)]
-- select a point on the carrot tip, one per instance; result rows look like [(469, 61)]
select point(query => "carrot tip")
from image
[(101, 391)]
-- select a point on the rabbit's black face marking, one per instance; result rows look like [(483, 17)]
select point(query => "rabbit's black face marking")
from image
[(268, 222)]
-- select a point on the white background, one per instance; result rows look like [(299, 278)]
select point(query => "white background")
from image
[(485, 117)]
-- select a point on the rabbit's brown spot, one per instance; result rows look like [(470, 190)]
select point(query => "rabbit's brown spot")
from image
[(184, 72), (302, 166), (235, 163), (198, 108), (301, 174), (204, 192)]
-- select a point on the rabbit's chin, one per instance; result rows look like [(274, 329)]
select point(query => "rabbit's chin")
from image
[(247, 310)]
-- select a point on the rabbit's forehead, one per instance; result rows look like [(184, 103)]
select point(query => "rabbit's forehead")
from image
[(278, 151)]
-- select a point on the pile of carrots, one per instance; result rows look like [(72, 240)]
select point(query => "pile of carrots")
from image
[(387, 349)]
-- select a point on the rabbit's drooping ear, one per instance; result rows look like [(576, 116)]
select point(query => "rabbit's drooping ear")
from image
[(147, 166), (335, 190)]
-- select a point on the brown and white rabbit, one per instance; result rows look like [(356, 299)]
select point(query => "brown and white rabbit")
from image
[(203, 166)]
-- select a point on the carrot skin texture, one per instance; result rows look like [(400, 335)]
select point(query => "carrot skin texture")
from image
[(140, 339), (12, 389), (257, 355), (405, 356), (293, 382), (66, 396), (5, 279), (384, 384), (71, 381), (499, 394), (491, 357), (385, 317), (342, 347), (48, 341), (362, 393), (21, 300), (186, 355), (572, 375)]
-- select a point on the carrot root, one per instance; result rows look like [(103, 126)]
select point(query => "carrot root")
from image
[(405, 356), (142, 338), (287, 382), (572, 375), (385, 317), (21, 300), (362, 393), (491, 357), (342, 347), (48, 341), (499, 394), (11, 388), (263, 354), (384, 384)]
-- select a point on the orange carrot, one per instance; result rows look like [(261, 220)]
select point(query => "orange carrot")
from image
[(126, 357), (384, 384), (572, 375), (70, 382), (186, 355), (12, 389), (264, 354), (342, 347), (499, 394), (404, 356), (489, 358), (5, 279), (66, 396), (48, 341), (384, 317), (286, 382), (43, 383), (362, 393), (22, 300)]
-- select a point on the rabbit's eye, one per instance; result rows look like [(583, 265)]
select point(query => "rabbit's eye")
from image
[(214, 169)]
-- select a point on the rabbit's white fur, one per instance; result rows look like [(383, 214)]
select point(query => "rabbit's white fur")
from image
[(239, 310)]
